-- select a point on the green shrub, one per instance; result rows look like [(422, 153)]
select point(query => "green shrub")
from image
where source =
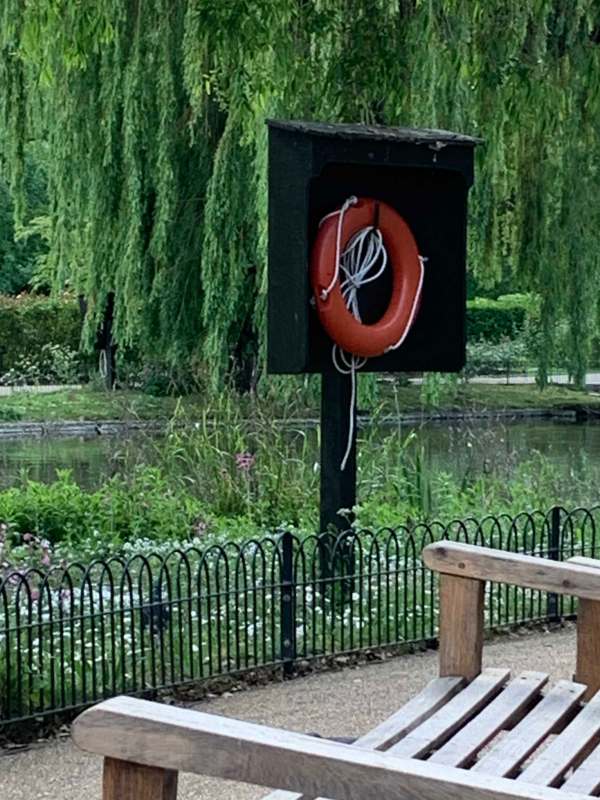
[(28, 323), (53, 363), (496, 358), (495, 320), (143, 506)]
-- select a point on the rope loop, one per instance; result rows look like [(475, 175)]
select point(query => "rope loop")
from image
[(363, 260)]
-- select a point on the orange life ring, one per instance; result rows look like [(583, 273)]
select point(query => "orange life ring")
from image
[(338, 321)]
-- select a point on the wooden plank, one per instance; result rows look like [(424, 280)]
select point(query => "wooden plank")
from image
[(505, 758), (574, 742), (122, 780), (461, 626), (445, 722), (586, 778), (483, 563), (584, 561), (503, 712), (191, 741), (587, 669), (588, 636), (433, 697)]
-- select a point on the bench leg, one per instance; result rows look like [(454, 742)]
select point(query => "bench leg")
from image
[(123, 780), (461, 626), (588, 646)]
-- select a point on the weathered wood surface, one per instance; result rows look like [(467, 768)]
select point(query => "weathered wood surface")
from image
[(461, 626), (484, 563), (587, 669), (505, 757), (191, 741), (584, 561), (433, 697), (578, 737), (122, 780), (508, 708), (586, 778), (445, 722), (417, 710)]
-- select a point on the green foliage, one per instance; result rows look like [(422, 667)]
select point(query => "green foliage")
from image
[(438, 389), (159, 189), (50, 364), (206, 485), (145, 506), (494, 320), (22, 247), (496, 358), (30, 325)]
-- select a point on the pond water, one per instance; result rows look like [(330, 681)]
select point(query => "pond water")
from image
[(451, 447)]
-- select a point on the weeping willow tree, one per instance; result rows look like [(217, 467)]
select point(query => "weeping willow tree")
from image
[(152, 115)]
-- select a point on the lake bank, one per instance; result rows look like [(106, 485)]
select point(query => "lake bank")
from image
[(86, 405)]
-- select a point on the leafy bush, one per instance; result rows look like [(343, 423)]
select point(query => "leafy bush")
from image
[(22, 249), (495, 320), (144, 506), (30, 323), (487, 358), (51, 364)]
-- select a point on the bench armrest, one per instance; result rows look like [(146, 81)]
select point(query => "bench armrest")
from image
[(131, 732), (532, 572)]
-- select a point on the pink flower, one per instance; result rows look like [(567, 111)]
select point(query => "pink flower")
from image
[(35, 594), (245, 461), (28, 537), (46, 560)]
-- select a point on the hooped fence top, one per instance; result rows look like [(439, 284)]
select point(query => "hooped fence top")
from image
[(427, 136)]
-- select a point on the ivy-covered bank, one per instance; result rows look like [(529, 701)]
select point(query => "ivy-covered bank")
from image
[(158, 191)]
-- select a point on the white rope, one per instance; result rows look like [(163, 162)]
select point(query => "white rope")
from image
[(357, 265), (338, 242), (350, 364), (415, 306)]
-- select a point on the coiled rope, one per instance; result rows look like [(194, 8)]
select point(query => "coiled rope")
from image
[(363, 260)]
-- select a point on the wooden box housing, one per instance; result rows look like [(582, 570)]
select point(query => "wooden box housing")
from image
[(425, 175)]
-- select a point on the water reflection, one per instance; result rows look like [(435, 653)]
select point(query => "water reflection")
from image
[(451, 447)]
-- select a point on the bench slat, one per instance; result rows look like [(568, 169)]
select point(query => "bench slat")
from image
[(505, 758), (191, 741), (445, 722), (507, 709), (586, 778), (433, 697), (550, 766)]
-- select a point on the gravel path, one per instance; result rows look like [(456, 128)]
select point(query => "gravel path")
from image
[(347, 702)]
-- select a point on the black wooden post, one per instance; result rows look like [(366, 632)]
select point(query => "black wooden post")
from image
[(288, 596), (554, 552), (338, 487)]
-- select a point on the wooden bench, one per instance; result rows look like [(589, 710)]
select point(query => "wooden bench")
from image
[(470, 734)]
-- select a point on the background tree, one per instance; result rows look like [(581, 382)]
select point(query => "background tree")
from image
[(153, 116)]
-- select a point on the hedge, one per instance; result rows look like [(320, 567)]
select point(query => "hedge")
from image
[(28, 322), (494, 320)]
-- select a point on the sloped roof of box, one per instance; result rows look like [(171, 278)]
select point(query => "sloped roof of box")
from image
[(428, 136)]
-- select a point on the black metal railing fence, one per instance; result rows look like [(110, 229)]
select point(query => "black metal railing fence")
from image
[(74, 635)]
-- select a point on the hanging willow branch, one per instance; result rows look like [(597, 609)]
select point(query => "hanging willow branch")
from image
[(152, 116)]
